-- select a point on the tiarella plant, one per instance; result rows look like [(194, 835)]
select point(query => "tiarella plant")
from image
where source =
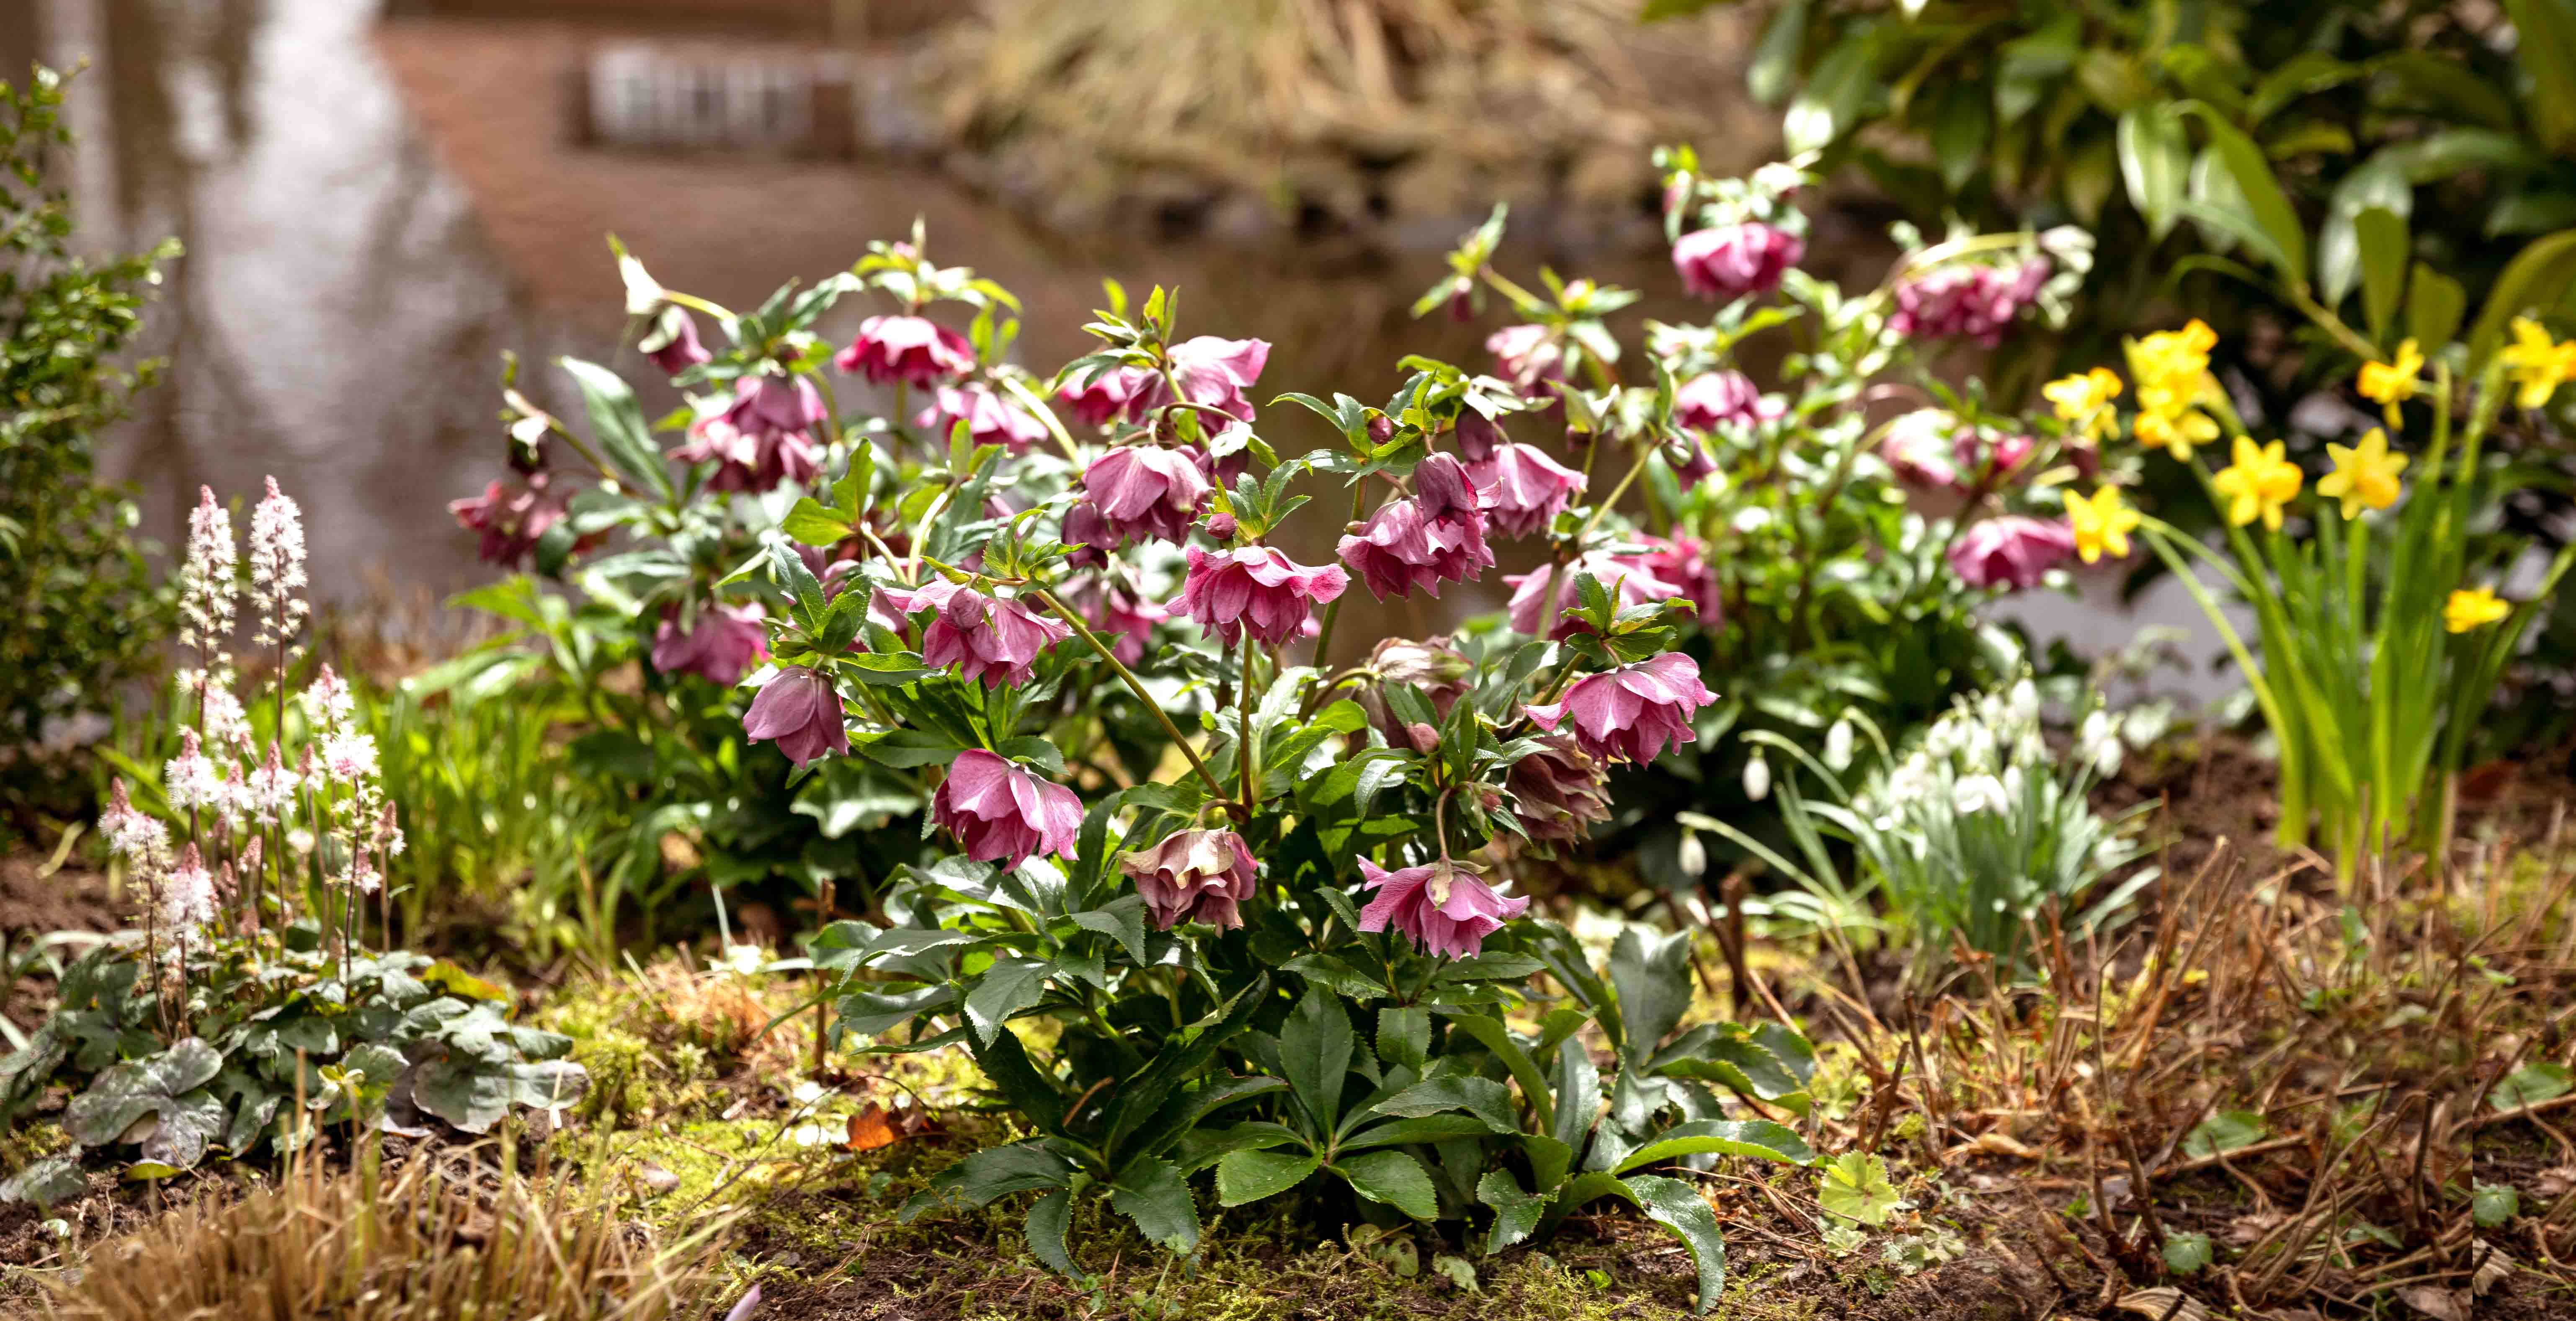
[(248, 1011), (1976, 836)]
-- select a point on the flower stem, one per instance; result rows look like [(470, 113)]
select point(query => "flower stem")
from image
[(1135, 684), (1243, 722), (1333, 612)]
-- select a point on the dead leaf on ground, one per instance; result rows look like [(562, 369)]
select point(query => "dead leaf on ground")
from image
[(2164, 1304), (2494, 1267), (2436, 1302)]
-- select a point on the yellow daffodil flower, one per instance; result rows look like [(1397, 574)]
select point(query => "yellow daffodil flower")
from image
[(2473, 609), (2258, 484), (2364, 474), (2085, 400), (2101, 524), (2170, 356), (2538, 366), (2176, 433), (2391, 383)]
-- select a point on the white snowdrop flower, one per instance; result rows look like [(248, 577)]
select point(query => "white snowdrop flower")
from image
[(277, 566), (2012, 787), (2024, 707), (1838, 745), (208, 582), (189, 780), (1757, 778), (2097, 743), (1977, 793)]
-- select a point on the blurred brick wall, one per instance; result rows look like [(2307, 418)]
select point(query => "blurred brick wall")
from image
[(839, 20)]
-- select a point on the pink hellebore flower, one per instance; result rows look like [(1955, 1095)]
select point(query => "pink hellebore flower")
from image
[(2012, 551), (1436, 535), (800, 710), (672, 345), (1526, 356), (1478, 437), (1522, 488), (1723, 399), (1445, 906), (1966, 301), (991, 417), (1256, 589), (1193, 876), (726, 640), (1108, 396), (1917, 447), (1683, 562), (1557, 791), (915, 350), (1732, 261), (1541, 596), (1214, 372), (986, 638), (1146, 492), (510, 520), (1989, 455), (1632, 712), (999, 812), (1115, 611)]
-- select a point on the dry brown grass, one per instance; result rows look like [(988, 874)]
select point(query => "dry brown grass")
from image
[(432, 1241)]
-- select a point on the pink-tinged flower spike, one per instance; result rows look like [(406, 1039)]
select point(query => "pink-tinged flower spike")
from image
[(672, 345), (188, 899), (1633, 712), (1712, 400), (208, 587), (1527, 356), (1557, 791), (2011, 551), (1522, 488), (1117, 394), (986, 638), (1258, 590), (1193, 876), (1000, 812), (1437, 535), (132, 834), (277, 566), (272, 790), (915, 350), (1541, 596), (190, 782), (1145, 491), (1445, 906), (800, 711), (1733, 261), (1214, 372), (991, 417), (722, 644)]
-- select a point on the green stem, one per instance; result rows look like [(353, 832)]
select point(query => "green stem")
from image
[(1333, 612), (1134, 684)]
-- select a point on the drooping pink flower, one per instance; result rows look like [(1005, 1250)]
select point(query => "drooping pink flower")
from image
[(764, 403), (751, 461), (1963, 300), (1557, 791), (1984, 454), (1211, 371), (1724, 399), (1733, 261), (1917, 447), (511, 519), (1145, 492), (987, 638), (913, 349), (1088, 535), (1442, 673), (1633, 712), (1478, 437), (1682, 560), (2013, 550), (1256, 589), (1193, 876), (1445, 906), (1522, 488), (720, 646), (672, 345), (1435, 535), (1527, 356), (1000, 812), (991, 417), (1541, 596), (798, 709), (1114, 395), (1115, 611)]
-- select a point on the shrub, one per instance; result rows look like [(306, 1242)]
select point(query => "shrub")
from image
[(86, 615)]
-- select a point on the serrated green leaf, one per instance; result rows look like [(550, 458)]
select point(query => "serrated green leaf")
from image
[(1155, 1196), (1677, 1206), (1248, 1176), (1392, 1177)]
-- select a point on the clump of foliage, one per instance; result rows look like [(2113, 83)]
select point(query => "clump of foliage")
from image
[(376, 1245), (86, 614)]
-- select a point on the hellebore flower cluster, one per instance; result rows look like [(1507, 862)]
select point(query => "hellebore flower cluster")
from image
[(988, 639), (764, 437), (1437, 535), (2011, 550), (912, 349), (1632, 713), (991, 417), (799, 711), (719, 646), (1193, 876), (1445, 906), (1144, 492), (1736, 261), (1541, 596), (1965, 300), (1256, 590), (1518, 486), (1000, 812)]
